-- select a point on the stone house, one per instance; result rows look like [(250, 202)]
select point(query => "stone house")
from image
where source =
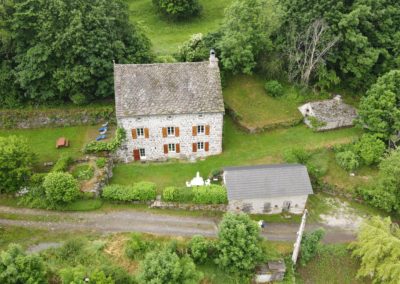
[(328, 114), (267, 189), (169, 110)]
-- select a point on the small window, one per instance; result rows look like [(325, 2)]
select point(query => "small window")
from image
[(200, 115), (140, 132), (247, 207), (171, 147), (200, 146), (267, 207), (200, 129), (138, 119), (169, 116), (171, 131), (142, 152)]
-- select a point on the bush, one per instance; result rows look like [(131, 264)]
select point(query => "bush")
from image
[(136, 247), (370, 149), (297, 155), (310, 244), (101, 146), (347, 160), (60, 189), (193, 50), (83, 172), (214, 194), (177, 194), (142, 191), (101, 162), (78, 273), (274, 88), (62, 164), (199, 248), (178, 10)]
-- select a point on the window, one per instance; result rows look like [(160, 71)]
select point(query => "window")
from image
[(140, 132), (142, 152), (171, 131), (200, 129), (200, 146), (171, 147)]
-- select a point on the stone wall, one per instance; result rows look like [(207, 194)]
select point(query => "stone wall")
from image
[(154, 144), (190, 207)]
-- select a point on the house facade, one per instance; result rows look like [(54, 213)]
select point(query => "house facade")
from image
[(169, 110), (267, 189)]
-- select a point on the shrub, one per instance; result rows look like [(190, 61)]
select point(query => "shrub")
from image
[(347, 160), (274, 88), (62, 164), (60, 188), (199, 248), (214, 194), (310, 244), (193, 50), (297, 155), (177, 194), (178, 10), (142, 191), (83, 172), (370, 149), (101, 146), (101, 162), (136, 247)]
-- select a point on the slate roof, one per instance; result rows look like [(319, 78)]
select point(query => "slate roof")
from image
[(267, 181), (167, 88), (332, 110)]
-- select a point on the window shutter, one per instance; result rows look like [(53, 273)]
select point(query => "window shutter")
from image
[(206, 146), (194, 130), (194, 146), (178, 148), (207, 129), (164, 132), (146, 133), (165, 149), (134, 134), (177, 131)]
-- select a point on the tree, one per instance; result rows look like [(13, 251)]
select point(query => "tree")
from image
[(16, 161), (167, 268), (370, 149), (194, 49), (63, 50), (246, 29), (378, 248), (379, 110), (199, 248), (239, 244), (178, 9), (77, 275), (60, 188), (309, 245), (17, 267)]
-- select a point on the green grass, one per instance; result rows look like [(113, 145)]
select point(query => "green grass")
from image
[(83, 172), (166, 36), (333, 265), (239, 148), (84, 205), (247, 97)]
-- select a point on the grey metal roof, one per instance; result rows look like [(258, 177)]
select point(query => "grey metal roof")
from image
[(167, 88), (266, 181)]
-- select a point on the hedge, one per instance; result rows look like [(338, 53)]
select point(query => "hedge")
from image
[(101, 146), (214, 194), (62, 164), (177, 194), (142, 191)]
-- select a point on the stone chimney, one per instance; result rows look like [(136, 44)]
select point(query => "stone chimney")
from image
[(213, 59)]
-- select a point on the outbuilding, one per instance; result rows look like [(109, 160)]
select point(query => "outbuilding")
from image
[(267, 189)]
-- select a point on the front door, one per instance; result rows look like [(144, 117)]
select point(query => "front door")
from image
[(136, 155)]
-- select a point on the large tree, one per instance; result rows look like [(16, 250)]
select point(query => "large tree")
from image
[(65, 49), (378, 248)]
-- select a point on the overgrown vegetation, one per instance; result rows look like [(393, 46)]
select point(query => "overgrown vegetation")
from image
[(111, 146)]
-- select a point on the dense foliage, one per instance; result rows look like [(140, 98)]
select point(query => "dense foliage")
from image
[(111, 146), (141, 191), (274, 88), (18, 267), (77, 275), (310, 244), (16, 161), (136, 247), (378, 249), (60, 189), (239, 244), (213, 194), (348, 160), (167, 267), (199, 248), (178, 9), (195, 49), (62, 164), (370, 149), (63, 50), (177, 194)]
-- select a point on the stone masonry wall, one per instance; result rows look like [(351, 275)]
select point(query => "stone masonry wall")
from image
[(154, 145)]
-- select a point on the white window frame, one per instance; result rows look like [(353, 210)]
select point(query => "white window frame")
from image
[(200, 146), (142, 152), (201, 129), (171, 147), (140, 132), (170, 131)]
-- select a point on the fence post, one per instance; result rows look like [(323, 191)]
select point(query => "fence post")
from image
[(297, 244)]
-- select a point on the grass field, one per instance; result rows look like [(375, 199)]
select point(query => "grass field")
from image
[(165, 35), (247, 97), (240, 148)]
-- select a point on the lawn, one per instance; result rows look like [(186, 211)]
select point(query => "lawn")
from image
[(166, 36), (240, 148), (255, 109)]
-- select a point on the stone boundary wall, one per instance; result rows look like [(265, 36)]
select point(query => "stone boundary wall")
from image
[(102, 179), (189, 206), (55, 117)]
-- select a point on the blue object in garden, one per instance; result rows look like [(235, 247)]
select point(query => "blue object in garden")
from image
[(101, 137), (102, 129)]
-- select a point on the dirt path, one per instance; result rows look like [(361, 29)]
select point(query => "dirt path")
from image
[(131, 220)]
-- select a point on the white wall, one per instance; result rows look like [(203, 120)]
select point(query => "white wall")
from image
[(298, 204), (154, 145)]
